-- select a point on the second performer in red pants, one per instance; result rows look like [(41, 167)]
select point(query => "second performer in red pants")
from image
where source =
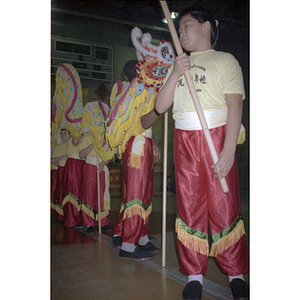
[(90, 210)]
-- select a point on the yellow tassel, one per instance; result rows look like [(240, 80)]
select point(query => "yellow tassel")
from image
[(133, 211), (69, 198), (229, 240), (107, 204), (88, 212), (137, 210), (121, 209), (134, 161), (148, 212), (59, 210), (103, 214), (191, 242), (242, 137)]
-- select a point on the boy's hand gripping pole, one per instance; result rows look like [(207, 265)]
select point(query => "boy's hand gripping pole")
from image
[(191, 86)]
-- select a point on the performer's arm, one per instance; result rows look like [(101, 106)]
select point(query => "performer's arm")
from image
[(85, 152), (149, 119), (102, 164), (57, 159), (164, 98), (234, 119)]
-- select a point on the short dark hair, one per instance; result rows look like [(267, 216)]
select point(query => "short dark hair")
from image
[(129, 69), (201, 15)]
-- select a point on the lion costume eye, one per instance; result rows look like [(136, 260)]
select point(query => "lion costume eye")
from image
[(166, 53)]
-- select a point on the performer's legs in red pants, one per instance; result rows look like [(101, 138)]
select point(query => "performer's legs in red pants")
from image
[(59, 205), (72, 187), (118, 228), (201, 201), (54, 191), (138, 191), (90, 195)]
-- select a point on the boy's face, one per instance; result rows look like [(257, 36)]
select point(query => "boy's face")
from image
[(191, 34), (63, 135), (76, 141)]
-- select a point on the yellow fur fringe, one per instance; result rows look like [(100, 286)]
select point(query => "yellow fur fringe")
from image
[(123, 130), (191, 242), (229, 240), (88, 212), (137, 210), (107, 204)]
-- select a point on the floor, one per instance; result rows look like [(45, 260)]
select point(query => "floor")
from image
[(87, 266)]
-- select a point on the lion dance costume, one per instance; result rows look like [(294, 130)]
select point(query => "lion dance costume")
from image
[(129, 102)]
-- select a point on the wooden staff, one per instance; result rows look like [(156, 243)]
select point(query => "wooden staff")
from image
[(164, 210), (192, 89), (98, 190)]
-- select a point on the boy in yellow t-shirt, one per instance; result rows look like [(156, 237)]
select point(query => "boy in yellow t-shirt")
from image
[(218, 81)]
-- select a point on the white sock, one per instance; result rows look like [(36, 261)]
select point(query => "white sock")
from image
[(198, 277), (128, 247), (144, 240), (240, 276)]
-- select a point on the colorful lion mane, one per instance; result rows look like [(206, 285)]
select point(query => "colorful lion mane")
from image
[(154, 61), (67, 102), (130, 101)]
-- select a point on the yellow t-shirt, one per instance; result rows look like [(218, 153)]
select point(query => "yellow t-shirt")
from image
[(86, 141), (91, 157), (73, 150), (60, 150), (214, 74)]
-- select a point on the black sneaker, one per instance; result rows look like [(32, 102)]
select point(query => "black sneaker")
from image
[(117, 241), (80, 225), (239, 289), (149, 247), (90, 229), (151, 238), (137, 254), (192, 291)]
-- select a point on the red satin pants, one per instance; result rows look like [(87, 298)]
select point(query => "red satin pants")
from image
[(60, 191), (54, 175), (90, 195), (72, 187), (201, 201), (137, 184)]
